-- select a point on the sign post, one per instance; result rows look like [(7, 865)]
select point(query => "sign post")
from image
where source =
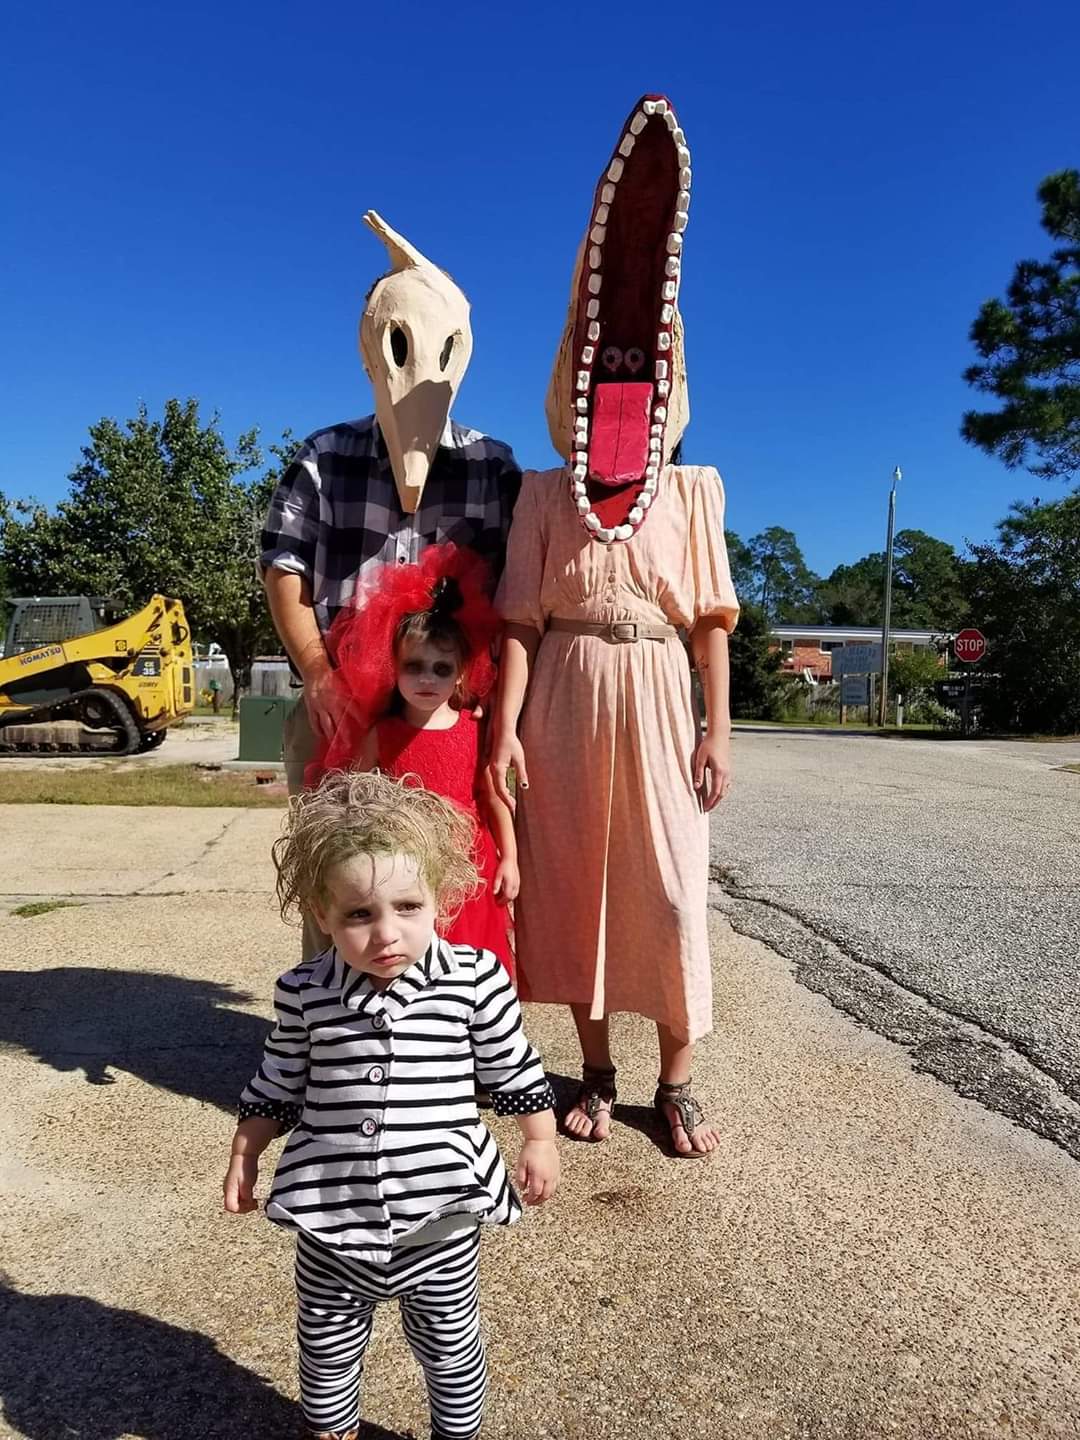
[(969, 647)]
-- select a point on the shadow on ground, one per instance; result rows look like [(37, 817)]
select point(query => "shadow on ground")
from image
[(177, 1034), (74, 1369)]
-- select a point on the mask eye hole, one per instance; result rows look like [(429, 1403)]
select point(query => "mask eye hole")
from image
[(399, 345), (612, 358), (635, 359), (447, 351)]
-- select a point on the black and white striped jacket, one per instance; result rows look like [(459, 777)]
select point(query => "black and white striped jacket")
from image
[(380, 1086)]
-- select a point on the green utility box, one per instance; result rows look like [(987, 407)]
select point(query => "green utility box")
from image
[(262, 727)]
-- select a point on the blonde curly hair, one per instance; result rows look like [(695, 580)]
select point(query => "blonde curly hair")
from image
[(366, 813)]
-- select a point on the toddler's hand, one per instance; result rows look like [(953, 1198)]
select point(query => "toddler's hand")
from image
[(537, 1172), (507, 882), (240, 1181)]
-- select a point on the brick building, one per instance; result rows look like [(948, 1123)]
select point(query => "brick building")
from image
[(810, 647)]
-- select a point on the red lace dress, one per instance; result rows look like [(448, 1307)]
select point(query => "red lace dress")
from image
[(448, 762)]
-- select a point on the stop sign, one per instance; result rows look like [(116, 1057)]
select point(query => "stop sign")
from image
[(970, 646)]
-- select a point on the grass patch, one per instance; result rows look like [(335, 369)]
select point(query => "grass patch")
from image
[(155, 785), (42, 907)]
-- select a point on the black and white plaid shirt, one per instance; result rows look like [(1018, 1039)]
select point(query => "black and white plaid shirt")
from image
[(335, 512)]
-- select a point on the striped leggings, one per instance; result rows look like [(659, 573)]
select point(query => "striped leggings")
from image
[(437, 1286)]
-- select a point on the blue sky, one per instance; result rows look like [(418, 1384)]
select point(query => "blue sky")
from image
[(185, 185)]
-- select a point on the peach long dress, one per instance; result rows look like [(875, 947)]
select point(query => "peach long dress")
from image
[(613, 846)]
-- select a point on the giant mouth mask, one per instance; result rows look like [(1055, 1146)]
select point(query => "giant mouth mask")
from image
[(617, 403), (415, 342)]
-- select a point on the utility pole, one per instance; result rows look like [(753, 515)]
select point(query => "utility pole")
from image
[(884, 700)]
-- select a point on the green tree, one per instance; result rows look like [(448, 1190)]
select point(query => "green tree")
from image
[(927, 589), (784, 587), (741, 562), (753, 667), (157, 506), (1029, 348), (1024, 594)]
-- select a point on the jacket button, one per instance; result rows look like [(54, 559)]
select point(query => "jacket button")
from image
[(368, 1128), (376, 1075), (379, 1021)]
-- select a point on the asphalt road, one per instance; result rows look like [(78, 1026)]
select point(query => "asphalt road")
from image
[(931, 890)]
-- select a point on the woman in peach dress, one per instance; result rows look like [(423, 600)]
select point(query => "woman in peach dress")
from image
[(609, 559)]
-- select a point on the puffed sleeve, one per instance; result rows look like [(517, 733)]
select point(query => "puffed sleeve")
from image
[(507, 1066), (519, 596), (714, 595), (277, 1090)]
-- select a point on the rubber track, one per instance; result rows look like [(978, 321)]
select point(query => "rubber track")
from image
[(124, 728)]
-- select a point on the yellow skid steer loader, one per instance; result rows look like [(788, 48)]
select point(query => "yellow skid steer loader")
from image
[(70, 681)]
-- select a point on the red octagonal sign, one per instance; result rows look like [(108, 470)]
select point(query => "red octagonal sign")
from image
[(970, 646)]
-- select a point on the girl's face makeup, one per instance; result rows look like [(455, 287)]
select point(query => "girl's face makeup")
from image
[(426, 677), (380, 914)]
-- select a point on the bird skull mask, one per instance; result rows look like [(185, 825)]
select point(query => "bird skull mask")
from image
[(415, 343), (617, 403)]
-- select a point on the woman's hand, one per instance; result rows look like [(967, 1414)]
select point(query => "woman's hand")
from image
[(240, 1181), (712, 769), (507, 882), (537, 1171), (506, 751)]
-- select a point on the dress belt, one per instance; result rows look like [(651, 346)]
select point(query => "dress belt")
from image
[(616, 632)]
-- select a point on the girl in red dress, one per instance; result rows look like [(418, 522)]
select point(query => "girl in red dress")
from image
[(413, 653)]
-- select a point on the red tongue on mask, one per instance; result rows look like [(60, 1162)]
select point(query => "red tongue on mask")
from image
[(619, 436)]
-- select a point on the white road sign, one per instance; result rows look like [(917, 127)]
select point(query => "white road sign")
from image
[(857, 659)]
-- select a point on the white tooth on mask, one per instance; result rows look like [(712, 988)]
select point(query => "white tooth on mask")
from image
[(583, 380), (594, 330), (587, 355), (605, 536), (638, 123), (649, 106), (656, 429), (607, 194), (627, 145), (684, 159), (595, 281), (623, 532), (592, 521), (637, 514), (663, 340), (660, 413), (582, 404), (678, 136), (669, 290), (661, 107), (684, 177), (602, 213), (579, 487), (681, 219), (644, 500), (683, 201), (671, 265), (661, 370), (674, 243), (592, 310), (615, 170), (663, 387), (670, 121), (597, 233), (596, 255), (667, 313), (583, 505)]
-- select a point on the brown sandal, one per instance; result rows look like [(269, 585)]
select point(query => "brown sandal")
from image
[(596, 1091), (689, 1111)]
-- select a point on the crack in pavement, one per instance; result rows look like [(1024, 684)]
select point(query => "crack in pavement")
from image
[(956, 1049), (214, 840)]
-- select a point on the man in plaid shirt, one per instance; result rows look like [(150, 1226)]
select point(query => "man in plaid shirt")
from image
[(381, 489)]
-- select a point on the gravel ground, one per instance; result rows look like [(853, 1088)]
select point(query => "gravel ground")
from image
[(933, 890), (869, 1255)]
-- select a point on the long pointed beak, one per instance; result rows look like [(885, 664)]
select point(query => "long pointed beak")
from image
[(419, 419)]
